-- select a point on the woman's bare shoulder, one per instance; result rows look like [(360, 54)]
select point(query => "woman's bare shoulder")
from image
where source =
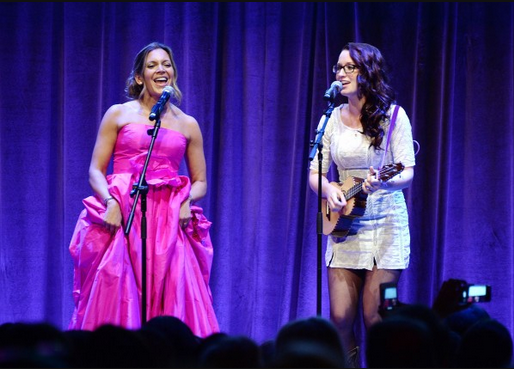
[(120, 108), (183, 117), (123, 113)]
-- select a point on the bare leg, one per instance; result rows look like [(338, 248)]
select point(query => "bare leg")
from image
[(344, 290), (371, 292)]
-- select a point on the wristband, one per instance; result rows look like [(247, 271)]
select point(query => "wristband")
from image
[(107, 199)]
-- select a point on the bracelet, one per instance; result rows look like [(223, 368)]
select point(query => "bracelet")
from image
[(107, 199), (191, 199)]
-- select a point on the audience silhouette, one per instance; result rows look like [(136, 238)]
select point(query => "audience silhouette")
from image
[(111, 346), (32, 345), (486, 344), (460, 321), (221, 350), (183, 344), (309, 343), (400, 342), (449, 334)]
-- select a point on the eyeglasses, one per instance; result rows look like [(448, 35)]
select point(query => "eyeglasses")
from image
[(348, 68)]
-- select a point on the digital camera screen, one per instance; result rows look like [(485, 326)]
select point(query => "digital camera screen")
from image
[(390, 293), (477, 290), (476, 293)]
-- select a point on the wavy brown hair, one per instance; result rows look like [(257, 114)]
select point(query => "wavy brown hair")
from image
[(132, 89), (374, 86)]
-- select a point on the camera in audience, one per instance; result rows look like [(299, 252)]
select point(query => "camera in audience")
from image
[(454, 292), (475, 293), (388, 296)]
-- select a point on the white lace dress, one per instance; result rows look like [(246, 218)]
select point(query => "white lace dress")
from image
[(382, 233)]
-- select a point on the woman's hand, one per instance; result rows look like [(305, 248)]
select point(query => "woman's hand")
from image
[(372, 183), (335, 198), (397, 182), (185, 213), (112, 216)]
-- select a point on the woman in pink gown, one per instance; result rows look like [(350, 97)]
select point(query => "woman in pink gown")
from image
[(179, 252)]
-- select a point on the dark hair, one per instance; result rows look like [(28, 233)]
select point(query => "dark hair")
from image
[(314, 334), (134, 90), (374, 86)]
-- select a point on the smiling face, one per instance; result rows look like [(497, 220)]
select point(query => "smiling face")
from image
[(347, 72), (158, 72)]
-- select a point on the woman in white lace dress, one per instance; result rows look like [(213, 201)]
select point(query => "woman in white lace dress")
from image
[(376, 247)]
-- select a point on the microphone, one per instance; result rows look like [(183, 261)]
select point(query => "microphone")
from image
[(157, 108), (333, 90)]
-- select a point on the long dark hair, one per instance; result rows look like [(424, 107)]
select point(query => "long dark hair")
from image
[(134, 90), (374, 86)]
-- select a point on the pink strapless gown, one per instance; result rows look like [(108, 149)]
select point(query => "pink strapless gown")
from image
[(107, 268)]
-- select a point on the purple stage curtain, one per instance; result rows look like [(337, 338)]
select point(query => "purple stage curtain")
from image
[(254, 75)]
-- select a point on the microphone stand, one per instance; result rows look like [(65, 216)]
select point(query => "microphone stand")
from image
[(319, 219), (141, 189)]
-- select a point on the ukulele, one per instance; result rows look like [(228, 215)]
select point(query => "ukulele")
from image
[(339, 224)]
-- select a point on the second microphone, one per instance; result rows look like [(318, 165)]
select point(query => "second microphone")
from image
[(167, 92), (333, 90)]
